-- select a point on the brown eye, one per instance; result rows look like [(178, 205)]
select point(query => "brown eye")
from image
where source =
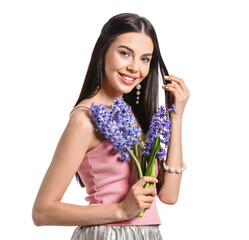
[(125, 54), (145, 59)]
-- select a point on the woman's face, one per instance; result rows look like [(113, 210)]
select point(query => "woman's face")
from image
[(127, 62)]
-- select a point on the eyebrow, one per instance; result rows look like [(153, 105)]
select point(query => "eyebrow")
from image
[(129, 49)]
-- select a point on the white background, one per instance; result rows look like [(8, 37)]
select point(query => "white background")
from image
[(45, 48)]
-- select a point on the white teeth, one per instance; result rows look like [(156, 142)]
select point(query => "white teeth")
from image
[(127, 78)]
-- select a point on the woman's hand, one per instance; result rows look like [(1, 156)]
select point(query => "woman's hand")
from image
[(179, 93), (136, 199)]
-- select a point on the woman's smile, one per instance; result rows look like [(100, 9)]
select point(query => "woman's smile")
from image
[(127, 78)]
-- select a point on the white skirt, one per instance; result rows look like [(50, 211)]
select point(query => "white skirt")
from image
[(115, 232)]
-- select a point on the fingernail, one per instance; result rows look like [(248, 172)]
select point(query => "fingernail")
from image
[(156, 180), (166, 77)]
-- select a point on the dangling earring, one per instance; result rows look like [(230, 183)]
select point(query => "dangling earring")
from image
[(138, 87), (98, 85)]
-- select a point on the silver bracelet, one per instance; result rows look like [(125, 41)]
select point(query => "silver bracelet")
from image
[(173, 170)]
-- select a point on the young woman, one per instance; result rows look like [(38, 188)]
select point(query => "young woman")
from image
[(125, 63)]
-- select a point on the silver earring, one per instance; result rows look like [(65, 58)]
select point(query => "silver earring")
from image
[(98, 85), (138, 87)]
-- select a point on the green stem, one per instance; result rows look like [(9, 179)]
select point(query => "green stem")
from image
[(151, 168), (144, 138), (135, 150), (149, 184), (143, 164), (137, 163), (141, 213), (141, 146)]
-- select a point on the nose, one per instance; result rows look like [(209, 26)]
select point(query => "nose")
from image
[(133, 66)]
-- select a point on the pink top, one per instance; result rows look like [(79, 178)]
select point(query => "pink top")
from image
[(108, 180)]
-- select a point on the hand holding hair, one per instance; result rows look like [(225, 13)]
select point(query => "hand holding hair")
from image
[(180, 93)]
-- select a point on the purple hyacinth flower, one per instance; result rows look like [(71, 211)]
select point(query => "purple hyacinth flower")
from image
[(117, 125), (159, 126)]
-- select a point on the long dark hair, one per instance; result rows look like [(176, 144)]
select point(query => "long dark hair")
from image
[(148, 101)]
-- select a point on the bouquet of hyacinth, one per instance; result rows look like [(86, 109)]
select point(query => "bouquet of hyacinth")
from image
[(118, 126)]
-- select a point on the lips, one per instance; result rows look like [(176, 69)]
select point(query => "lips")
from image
[(127, 78)]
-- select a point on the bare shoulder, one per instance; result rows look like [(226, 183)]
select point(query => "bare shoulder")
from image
[(81, 122), (81, 117)]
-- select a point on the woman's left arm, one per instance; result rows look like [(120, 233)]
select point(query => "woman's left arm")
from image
[(170, 189)]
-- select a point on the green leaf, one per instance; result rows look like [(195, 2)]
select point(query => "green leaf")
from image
[(154, 150)]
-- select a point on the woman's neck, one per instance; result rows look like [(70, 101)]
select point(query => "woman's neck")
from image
[(105, 97)]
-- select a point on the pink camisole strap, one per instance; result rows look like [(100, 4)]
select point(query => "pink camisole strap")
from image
[(80, 105)]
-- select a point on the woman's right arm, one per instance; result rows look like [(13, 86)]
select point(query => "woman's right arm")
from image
[(48, 208)]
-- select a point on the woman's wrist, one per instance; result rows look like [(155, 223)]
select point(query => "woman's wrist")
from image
[(175, 117), (120, 212)]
